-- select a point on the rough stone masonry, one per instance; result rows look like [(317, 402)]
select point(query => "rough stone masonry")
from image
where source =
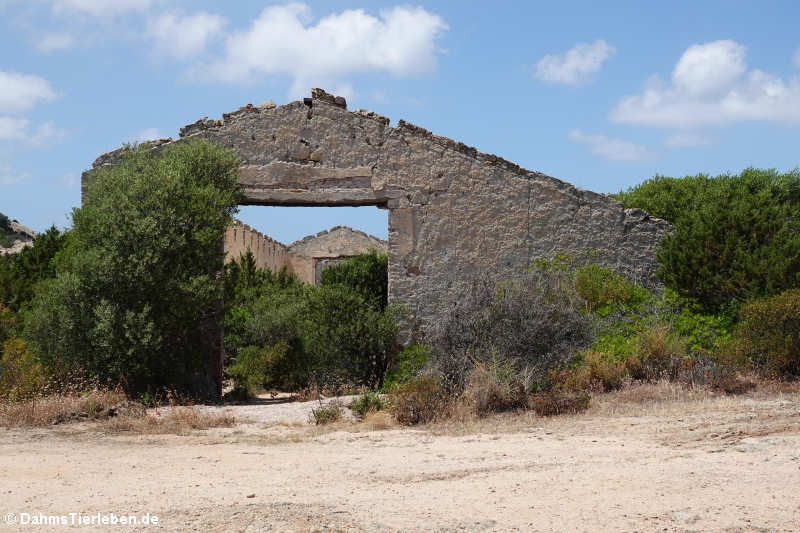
[(453, 211)]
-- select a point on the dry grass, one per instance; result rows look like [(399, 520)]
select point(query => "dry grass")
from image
[(379, 420), (177, 420), (108, 411), (58, 408)]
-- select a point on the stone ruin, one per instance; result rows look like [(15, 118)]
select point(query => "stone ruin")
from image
[(454, 212), (307, 257), (22, 238)]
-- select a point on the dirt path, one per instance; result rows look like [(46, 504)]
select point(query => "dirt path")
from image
[(700, 465)]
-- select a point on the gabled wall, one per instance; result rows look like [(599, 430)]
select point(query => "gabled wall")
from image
[(453, 211)]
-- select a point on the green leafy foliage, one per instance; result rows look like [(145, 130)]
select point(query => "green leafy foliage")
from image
[(332, 335), (21, 376), (256, 368), (19, 273), (369, 402), (736, 236), (347, 339), (326, 414), (8, 323), (768, 334), (367, 274), (136, 289), (406, 365), (6, 232), (604, 290)]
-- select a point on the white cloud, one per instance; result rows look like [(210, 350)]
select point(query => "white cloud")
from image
[(149, 134), (20, 92), (13, 129), (711, 85), (180, 36), (51, 42), (687, 139), (9, 177), (99, 8), (19, 129), (285, 40), (610, 148), (576, 65)]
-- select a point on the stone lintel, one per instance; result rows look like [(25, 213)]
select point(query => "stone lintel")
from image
[(323, 198)]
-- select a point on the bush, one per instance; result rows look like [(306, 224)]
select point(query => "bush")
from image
[(407, 364), (768, 334), (537, 322), (595, 371), (661, 354), (325, 414), (369, 402), (552, 403), (492, 386), (21, 272), (347, 340), (735, 238), (256, 368), (135, 300), (603, 289), (21, 376), (367, 274), (8, 323), (418, 401)]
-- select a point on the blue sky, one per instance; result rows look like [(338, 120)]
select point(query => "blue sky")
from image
[(601, 94)]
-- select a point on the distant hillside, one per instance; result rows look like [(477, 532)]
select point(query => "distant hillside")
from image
[(13, 236)]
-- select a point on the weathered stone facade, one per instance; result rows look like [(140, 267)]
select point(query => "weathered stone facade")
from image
[(307, 257), (267, 252), (23, 237), (313, 254), (453, 211)]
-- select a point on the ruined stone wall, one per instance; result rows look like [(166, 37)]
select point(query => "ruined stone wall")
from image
[(312, 254), (453, 211), (267, 252)]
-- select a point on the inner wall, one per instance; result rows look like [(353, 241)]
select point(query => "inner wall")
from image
[(308, 240), (289, 224)]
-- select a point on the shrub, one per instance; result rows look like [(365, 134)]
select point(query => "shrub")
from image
[(407, 364), (556, 402), (256, 368), (325, 414), (369, 402), (417, 401), (347, 340), (735, 238), (537, 322), (21, 376), (595, 371), (269, 315), (492, 386), (8, 323), (135, 298), (367, 274), (661, 353), (19, 273), (603, 289), (768, 334)]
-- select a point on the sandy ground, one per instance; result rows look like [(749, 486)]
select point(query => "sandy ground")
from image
[(702, 464)]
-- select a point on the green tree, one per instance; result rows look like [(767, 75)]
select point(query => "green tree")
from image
[(135, 297), (735, 237), (367, 274), (19, 273)]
